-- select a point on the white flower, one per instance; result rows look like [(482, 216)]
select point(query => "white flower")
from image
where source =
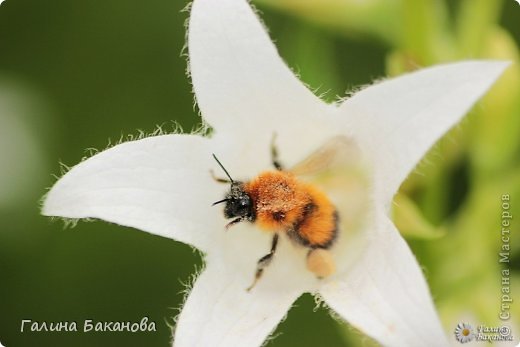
[(162, 184), (464, 332)]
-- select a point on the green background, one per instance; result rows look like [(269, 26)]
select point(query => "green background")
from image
[(78, 73)]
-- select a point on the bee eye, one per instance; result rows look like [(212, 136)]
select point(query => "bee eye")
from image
[(244, 202)]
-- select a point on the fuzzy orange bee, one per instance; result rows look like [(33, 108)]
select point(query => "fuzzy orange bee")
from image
[(279, 202)]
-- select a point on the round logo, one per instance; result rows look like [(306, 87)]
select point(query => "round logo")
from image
[(464, 332), (504, 330)]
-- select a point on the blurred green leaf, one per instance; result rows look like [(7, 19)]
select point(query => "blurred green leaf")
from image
[(409, 220), (495, 124), (377, 18)]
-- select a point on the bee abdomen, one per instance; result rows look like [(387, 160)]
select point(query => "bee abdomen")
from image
[(317, 226)]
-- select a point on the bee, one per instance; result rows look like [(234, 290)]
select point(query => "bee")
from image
[(281, 203)]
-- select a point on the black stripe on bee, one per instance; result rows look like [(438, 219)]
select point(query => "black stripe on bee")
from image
[(297, 237)]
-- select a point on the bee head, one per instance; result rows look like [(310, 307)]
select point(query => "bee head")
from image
[(238, 202)]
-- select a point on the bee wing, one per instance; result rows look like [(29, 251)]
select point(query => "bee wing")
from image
[(337, 152), (337, 168)]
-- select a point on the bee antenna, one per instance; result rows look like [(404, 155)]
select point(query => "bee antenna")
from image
[(223, 168), (219, 202)]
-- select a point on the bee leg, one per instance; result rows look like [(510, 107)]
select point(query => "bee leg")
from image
[(218, 179), (234, 221), (274, 155), (264, 262)]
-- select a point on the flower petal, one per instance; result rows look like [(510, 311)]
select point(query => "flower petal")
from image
[(239, 79), (220, 312), (158, 184), (385, 294), (397, 121)]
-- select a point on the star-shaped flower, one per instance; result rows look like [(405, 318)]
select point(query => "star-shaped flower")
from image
[(163, 185)]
